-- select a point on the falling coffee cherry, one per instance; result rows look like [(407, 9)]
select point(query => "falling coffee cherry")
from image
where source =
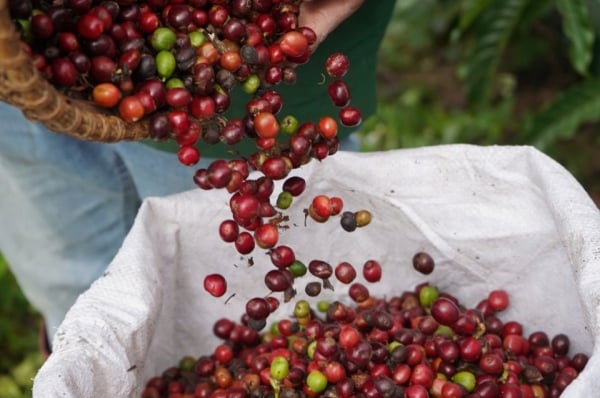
[(322, 270), (215, 284), (337, 65), (372, 271), (348, 221), (423, 263), (363, 217), (313, 289)]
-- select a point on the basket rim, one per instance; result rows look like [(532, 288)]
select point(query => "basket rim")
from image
[(20, 80)]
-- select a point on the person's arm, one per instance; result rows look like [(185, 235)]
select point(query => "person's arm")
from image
[(323, 16)]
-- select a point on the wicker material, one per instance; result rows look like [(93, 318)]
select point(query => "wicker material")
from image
[(23, 86)]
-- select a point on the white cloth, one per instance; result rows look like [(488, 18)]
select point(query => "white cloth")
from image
[(492, 217)]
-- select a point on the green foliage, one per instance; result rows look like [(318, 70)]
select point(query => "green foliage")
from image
[(19, 326), (561, 119), (491, 34), (471, 11), (498, 26), (423, 121), (578, 29), (522, 72)]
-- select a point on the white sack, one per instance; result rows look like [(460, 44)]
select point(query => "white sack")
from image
[(492, 217)]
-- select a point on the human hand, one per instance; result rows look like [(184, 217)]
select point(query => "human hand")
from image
[(323, 16)]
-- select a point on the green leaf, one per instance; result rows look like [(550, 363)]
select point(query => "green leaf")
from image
[(578, 28), (8, 388), (577, 105), (471, 10), (492, 33), (535, 12)]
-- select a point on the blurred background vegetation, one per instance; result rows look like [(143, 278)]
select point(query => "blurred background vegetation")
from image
[(508, 72), (19, 327)]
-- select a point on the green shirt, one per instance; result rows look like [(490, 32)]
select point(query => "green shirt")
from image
[(358, 37)]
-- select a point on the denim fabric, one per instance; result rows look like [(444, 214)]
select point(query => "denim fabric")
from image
[(66, 206)]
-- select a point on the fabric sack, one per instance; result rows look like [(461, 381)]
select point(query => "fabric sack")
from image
[(492, 217)]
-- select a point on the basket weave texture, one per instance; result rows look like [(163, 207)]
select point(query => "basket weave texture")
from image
[(22, 86)]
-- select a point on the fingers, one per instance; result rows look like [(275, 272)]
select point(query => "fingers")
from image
[(323, 16)]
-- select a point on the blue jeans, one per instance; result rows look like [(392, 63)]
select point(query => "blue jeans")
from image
[(66, 205)]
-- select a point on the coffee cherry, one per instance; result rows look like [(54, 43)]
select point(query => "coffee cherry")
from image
[(348, 221), (294, 185), (363, 218), (257, 308), (266, 125), (284, 200), (67, 42), (106, 95), (491, 363), (320, 269), (188, 155), (266, 236), (350, 116), (560, 344), (301, 309), (423, 263), (312, 289), (244, 243), (229, 230), (277, 280), (131, 109), (345, 272), (328, 127), (579, 361), (515, 344), (498, 300), (372, 271), (339, 93), (512, 327), (215, 284), (358, 292), (90, 26), (298, 269), (279, 368), (293, 44), (163, 38), (337, 65), (276, 168), (427, 295), (321, 205), (466, 379), (470, 349), (245, 206), (444, 311), (316, 381), (422, 375), (289, 124), (337, 204), (64, 72), (282, 256)]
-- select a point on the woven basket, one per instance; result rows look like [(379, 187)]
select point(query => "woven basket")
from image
[(23, 86)]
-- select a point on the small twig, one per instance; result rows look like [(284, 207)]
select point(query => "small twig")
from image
[(229, 298)]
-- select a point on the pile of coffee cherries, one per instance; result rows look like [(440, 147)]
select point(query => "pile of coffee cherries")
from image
[(420, 343), (175, 64)]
